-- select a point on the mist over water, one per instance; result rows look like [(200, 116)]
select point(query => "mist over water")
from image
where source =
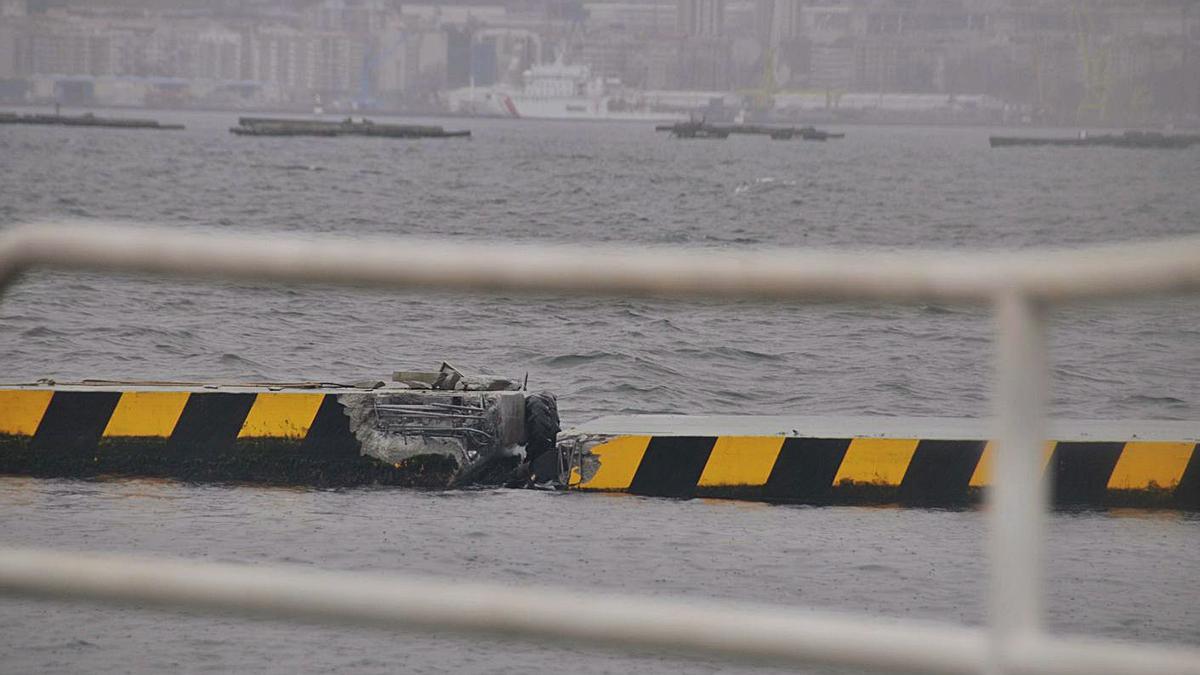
[(896, 188)]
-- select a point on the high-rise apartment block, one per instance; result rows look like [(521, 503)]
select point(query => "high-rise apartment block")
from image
[(700, 18)]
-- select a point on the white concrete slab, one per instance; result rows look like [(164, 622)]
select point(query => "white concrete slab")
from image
[(196, 387), (934, 428)]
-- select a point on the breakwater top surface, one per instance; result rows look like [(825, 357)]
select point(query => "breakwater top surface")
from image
[(890, 188)]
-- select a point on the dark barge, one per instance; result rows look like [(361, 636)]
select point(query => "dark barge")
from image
[(718, 131), (786, 133), (1128, 139), (695, 130), (265, 126), (85, 120)]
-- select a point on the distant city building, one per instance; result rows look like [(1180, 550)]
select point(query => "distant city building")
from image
[(645, 20), (705, 65), (700, 18), (704, 51), (777, 21), (1050, 61), (13, 8), (351, 16)]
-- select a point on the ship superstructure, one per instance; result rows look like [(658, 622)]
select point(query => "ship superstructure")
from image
[(561, 91)]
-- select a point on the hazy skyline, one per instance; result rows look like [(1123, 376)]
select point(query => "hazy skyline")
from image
[(1078, 62)]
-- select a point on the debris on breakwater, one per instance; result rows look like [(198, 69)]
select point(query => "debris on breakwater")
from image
[(1128, 139), (702, 129), (264, 126), (85, 120)]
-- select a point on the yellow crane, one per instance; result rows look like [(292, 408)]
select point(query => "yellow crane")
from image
[(762, 97)]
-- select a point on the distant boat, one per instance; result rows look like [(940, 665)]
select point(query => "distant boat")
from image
[(557, 91)]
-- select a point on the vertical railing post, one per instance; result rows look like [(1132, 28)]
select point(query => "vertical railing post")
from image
[(1017, 497)]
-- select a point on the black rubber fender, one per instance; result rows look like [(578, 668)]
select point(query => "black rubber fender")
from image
[(541, 424)]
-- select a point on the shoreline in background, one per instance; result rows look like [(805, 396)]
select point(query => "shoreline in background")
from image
[(436, 115)]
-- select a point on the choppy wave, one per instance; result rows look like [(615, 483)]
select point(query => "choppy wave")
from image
[(882, 188), (893, 188)]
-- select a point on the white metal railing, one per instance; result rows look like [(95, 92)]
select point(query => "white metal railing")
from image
[(1020, 286)]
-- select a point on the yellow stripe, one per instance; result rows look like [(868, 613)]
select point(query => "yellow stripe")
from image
[(281, 415), (983, 470), (146, 413), (877, 461), (619, 460), (741, 460), (21, 411), (1148, 465)]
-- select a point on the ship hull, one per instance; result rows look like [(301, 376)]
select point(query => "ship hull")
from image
[(597, 109)]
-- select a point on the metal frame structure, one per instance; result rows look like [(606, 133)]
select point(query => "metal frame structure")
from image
[(1020, 286)]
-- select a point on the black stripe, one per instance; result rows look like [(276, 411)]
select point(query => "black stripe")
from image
[(672, 466), (1187, 493), (1081, 471), (330, 436), (940, 472), (805, 469), (209, 424), (73, 423)]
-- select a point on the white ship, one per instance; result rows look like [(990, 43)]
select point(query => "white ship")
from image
[(557, 91)]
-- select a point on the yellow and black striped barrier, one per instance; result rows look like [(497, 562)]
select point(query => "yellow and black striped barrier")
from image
[(869, 469), (305, 436), (230, 434)]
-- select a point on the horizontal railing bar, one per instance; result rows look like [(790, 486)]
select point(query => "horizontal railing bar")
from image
[(1088, 656), (740, 632), (904, 276), (737, 631)]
